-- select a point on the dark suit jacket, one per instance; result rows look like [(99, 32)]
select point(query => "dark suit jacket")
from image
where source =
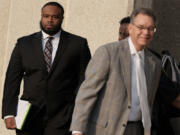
[(162, 110), (55, 90)]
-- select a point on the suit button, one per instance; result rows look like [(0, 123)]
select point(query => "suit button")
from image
[(124, 125), (129, 107)]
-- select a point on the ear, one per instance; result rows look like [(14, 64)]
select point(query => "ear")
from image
[(130, 28), (61, 18)]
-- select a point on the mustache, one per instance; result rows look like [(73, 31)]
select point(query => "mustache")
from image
[(52, 31)]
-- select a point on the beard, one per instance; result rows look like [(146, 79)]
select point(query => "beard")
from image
[(52, 31)]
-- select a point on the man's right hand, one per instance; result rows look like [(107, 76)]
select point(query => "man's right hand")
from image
[(10, 123)]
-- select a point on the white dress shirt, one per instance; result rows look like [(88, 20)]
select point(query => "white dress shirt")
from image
[(135, 113)]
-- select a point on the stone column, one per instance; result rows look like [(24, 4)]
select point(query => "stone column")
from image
[(168, 32), (98, 21)]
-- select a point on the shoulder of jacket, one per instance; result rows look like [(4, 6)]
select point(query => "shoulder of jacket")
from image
[(29, 36), (155, 55), (74, 36), (116, 45)]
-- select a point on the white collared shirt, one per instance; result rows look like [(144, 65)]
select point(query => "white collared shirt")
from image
[(55, 42), (135, 113)]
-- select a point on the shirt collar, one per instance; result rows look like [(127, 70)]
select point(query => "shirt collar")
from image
[(45, 35), (133, 50)]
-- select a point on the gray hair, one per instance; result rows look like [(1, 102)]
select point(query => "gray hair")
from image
[(145, 11)]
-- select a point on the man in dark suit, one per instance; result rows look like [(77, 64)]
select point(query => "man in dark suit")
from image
[(52, 64), (122, 80)]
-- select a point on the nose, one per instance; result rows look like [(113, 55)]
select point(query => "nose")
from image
[(146, 31), (50, 19)]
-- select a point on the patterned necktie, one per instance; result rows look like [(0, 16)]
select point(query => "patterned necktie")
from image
[(142, 92), (48, 53)]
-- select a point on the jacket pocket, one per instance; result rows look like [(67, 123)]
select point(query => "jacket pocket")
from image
[(101, 123)]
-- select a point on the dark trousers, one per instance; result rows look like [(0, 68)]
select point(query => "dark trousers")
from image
[(134, 128), (47, 131), (42, 125)]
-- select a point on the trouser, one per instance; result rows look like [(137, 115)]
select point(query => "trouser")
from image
[(134, 128), (41, 125), (46, 131)]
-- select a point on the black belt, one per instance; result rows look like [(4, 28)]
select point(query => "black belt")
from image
[(134, 122)]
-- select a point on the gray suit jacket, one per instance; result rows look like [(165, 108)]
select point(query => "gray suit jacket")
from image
[(103, 102)]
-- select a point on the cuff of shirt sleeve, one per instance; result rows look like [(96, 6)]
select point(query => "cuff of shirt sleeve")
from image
[(76, 132), (8, 116)]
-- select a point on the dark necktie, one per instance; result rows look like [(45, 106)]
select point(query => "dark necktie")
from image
[(48, 53)]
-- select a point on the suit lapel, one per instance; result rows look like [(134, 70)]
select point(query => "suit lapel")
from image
[(149, 72), (37, 44), (125, 61), (63, 44)]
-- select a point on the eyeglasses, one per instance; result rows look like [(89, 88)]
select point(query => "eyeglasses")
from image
[(141, 28)]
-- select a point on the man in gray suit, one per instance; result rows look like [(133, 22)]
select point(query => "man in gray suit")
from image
[(122, 80)]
